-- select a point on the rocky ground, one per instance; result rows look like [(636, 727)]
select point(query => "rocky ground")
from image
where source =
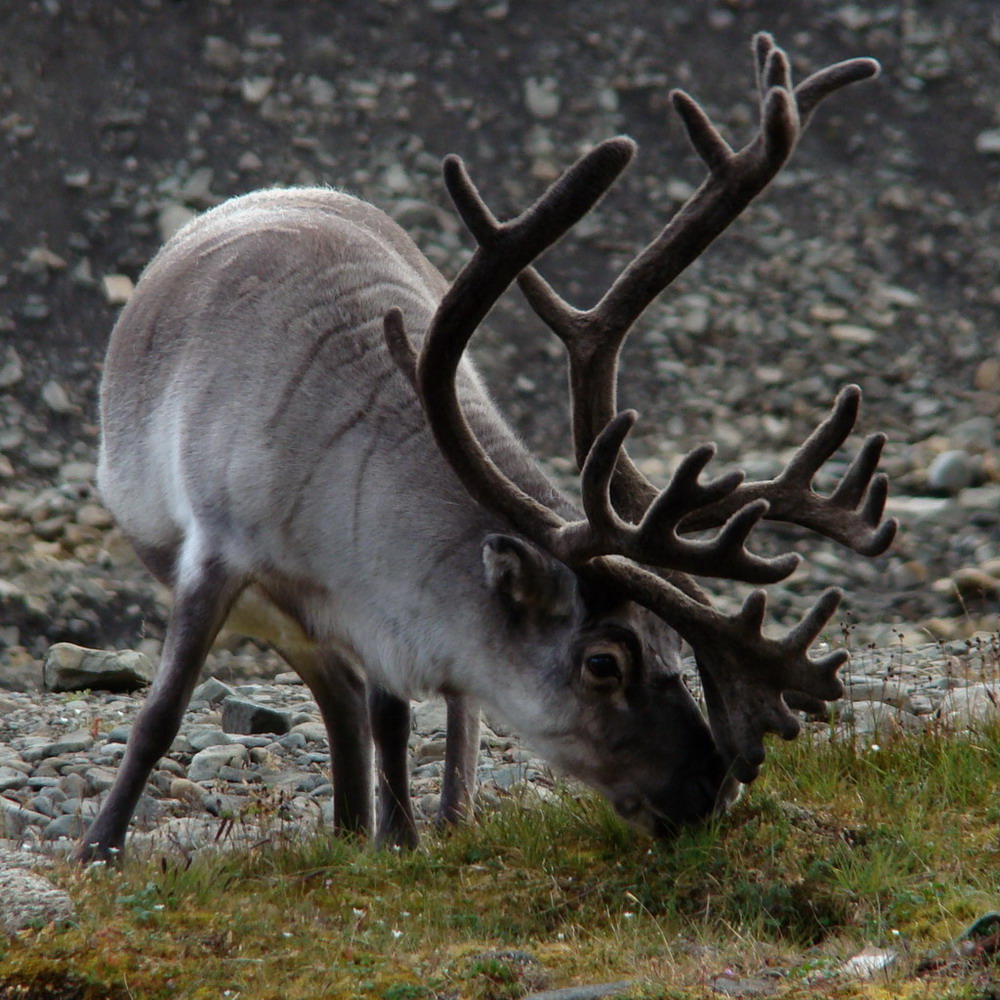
[(873, 259), (255, 753)]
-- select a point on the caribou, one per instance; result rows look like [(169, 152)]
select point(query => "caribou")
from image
[(297, 444)]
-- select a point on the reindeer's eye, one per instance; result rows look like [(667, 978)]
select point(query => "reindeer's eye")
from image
[(604, 666)]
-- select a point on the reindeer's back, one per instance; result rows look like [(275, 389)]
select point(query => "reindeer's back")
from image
[(250, 354)]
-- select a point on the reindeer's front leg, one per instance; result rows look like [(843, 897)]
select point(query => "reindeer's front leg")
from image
[(461, 758)]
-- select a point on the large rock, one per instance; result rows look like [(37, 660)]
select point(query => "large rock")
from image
[(206, 764), (29, 900), (975, 703), (249, 718), (68, 667)]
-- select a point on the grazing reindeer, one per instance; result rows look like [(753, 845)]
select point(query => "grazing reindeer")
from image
[(286, 459)]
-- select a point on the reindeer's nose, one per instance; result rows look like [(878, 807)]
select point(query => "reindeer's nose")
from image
[(691, 800)]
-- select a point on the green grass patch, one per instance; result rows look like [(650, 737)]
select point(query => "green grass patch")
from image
[(840, 845)]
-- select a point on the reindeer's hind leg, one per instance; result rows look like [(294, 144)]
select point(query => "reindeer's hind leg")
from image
[(341, 692), (203, 595)]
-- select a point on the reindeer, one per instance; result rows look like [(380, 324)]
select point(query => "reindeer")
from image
[(296, 443)]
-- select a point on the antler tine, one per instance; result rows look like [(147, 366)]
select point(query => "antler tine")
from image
[(654, 541), (504, 249), (594, 337), (744, 673), (812, 90), (851, 515)]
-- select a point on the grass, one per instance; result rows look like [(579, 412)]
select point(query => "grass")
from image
[(841, 844)]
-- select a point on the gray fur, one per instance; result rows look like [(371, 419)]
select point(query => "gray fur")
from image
[(271, 464)]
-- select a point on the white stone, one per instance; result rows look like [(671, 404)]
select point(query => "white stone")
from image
[(205, 764), (117, 289), (541, 97), (988, 142), (975, 703), (951, 472), (11, 369), (56, 398), (28, 899), (850, 333), (173, 217)]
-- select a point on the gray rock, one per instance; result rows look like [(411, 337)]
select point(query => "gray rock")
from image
[(210, 737), (541, 97), (314, 732), (22, 859), (186, 791), (99, 779), (205, 764), (745, 986), (976, 434), (988, 142), (430, 717), (12, 779), (875, 718), (70, 826), (981, 498), (892, 691), (509, 776), (975, 703), (45, 805), (29, 900), (172, 218), (56, 398), (75, 742), (220, 54), (212, 691), (594, 992), (11, 369), (249, 718), (951, 472), (69, 667), (15, 819)]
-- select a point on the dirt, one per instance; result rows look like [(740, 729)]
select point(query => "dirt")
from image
[(886, 220)]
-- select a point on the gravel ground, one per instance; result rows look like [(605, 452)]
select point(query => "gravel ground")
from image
[(873, 259)]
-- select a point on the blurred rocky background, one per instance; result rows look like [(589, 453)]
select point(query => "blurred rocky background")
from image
[(874, 258)]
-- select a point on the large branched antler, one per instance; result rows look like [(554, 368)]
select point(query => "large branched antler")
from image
[(503, 250), (744, 674), (594, 337), (628, 524)]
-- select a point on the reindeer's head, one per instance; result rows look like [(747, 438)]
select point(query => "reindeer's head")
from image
[(609, 704), (613, 709)]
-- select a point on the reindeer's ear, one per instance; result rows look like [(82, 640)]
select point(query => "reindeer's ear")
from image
[(527, 580)]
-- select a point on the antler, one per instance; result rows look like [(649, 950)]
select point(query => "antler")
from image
[(745, 674), (594, 337), (503, 250), (851, 515)]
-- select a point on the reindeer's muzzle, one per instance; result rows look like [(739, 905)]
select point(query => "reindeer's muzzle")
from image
[(686, 801)]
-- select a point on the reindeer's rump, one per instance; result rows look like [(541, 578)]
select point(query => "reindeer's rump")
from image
[(253, 343)]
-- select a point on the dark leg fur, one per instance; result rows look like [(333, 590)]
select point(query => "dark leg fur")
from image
[(461, 758), (390, 719), (199, 612), (341, 693)]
